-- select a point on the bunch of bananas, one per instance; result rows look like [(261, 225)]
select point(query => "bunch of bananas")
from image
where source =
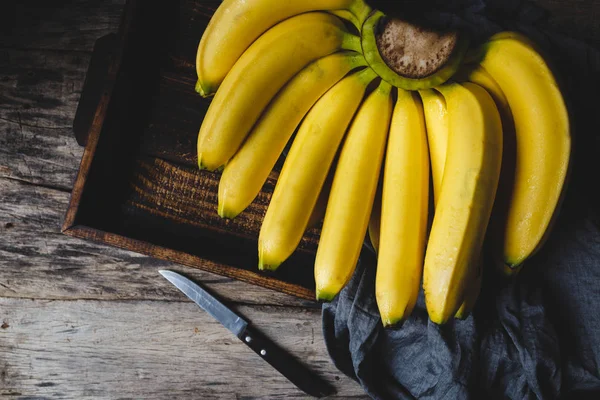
[(375, 116)]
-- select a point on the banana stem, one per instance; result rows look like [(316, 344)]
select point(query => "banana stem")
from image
[(347, 15), (352, 42), (361, 11), (367, 75)]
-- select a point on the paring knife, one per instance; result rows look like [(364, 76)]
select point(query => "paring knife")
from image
[(298, 374)]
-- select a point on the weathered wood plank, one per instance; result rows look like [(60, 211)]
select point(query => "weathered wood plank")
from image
[(151, 350), (46, 157), (59, 25), (41, 88), (37, 261), (39, 92)]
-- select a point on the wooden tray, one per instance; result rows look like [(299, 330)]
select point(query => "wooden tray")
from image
[(138, 186)]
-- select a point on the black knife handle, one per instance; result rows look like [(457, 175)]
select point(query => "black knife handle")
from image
[(288, 366)]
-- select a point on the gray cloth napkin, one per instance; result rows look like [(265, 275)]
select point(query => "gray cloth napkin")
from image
[(534, 337)]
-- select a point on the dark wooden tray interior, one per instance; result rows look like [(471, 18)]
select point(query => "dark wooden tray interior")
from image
[(139, 186)]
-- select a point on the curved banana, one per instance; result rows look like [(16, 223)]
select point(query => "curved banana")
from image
[(245, 174), (351, 198), (476, 74), (543, 145), (306, 167), (404, 211), (436, 121), (471, 175), (245, 20), (259, 74)]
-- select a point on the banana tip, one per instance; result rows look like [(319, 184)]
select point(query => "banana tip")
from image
[(205, 166), (203, 89), (439, 318), (509, 269), (392, 323), (262, 266), (462, 315), (394, 319), (201, 166), (323, 295), (225, 213)]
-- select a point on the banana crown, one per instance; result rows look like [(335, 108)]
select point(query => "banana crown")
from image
[(374, 110)]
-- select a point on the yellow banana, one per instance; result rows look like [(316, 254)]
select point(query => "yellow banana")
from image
[(238, 23), (436, 121), (316, 217), (318, 212), (473, 55), (476, 74), (259, 74), (543, 145), (306, 167), (245, 174), (515, 36), (375, 220), (351, 198), (471, 175), (405, 203), (472, 291)]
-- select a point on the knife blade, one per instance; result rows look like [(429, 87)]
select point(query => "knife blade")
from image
[(284, 363)]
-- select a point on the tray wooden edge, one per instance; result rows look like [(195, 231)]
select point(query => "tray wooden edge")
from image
[(167, 254), (99, 117)]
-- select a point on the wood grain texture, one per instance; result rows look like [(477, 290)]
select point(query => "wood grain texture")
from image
[(151, 350), (38, 262), (44, 157), (41, 88), (39, 91)]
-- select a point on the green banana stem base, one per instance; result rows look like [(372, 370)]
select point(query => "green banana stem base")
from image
[(361, 11)]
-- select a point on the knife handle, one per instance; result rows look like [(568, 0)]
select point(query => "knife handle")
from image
[(285, 364)]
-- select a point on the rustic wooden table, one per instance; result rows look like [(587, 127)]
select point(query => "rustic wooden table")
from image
[(82, 320)]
